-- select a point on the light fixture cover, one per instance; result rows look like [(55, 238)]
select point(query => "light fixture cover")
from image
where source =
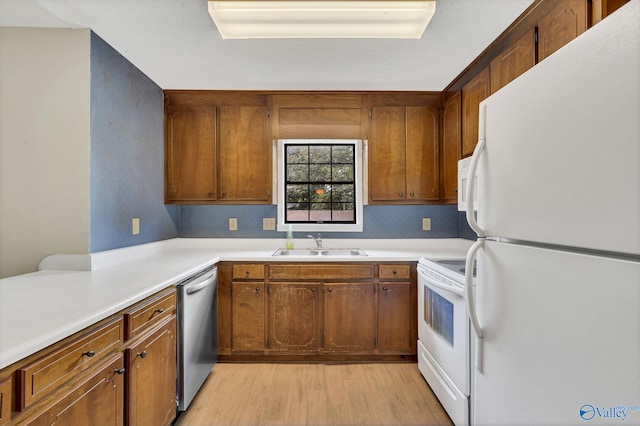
[(243, 19)]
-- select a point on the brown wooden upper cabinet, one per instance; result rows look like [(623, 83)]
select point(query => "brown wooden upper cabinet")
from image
[(474, 92), (513, 61), (218, 154), (564, 23), (245, 154), (190, 155), (404, 154), (451, 144)]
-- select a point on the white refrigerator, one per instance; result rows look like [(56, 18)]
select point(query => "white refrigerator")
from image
[(556, 303)]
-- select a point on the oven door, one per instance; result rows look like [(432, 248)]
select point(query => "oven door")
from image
[(443, 325)]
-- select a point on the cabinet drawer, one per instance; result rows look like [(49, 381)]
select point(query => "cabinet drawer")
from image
[(44, 375), (150, 312), (94, 398), (323, 272), (5, 400), (390, 272), (248, 271)]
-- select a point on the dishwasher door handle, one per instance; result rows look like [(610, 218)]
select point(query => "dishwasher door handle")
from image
[(206, 283)]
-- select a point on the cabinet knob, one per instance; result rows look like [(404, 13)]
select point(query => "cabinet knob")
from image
[(402, 194), (247, 273), (159, 310), (142, 354), (329, 290), (121, 371), (394, 272), (257, 289), (384, 288), (413, 194), (313, 289), (89, 354)]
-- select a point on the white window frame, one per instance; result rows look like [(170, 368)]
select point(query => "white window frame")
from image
[(320, 227)]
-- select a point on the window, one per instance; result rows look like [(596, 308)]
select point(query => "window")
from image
[(320, 185)]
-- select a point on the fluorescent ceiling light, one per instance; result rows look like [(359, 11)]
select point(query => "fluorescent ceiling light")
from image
[(242, 19)]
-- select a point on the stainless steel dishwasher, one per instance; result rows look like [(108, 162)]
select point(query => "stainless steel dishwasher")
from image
[(197, 332)]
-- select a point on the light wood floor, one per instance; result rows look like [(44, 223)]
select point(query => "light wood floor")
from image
[(315, 394)]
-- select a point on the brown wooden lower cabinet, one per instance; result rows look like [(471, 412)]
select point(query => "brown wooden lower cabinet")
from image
[(6, 400), (395, 321), (349, 317), (80, 380), (294, 316), (97, 400), (151, 376), (358, 311), (248, 325)]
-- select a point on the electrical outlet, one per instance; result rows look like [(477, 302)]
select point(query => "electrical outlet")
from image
[(426, 224), (268, 223), (135, 226), (233, 224)]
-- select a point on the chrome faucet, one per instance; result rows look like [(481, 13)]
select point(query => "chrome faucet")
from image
[(317, 239)]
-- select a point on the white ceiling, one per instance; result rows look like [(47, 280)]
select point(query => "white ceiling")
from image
[(176, 44)]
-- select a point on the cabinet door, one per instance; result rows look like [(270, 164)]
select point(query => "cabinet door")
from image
[(6, 400), (514, 61), (473, 93), (451, 140), (245, 154), (387, 154), (294, 316), (422, 160), (190, 155), (247, 310), (349, 317), (395, 327), (151, 377), (564, 23), (97, 400)]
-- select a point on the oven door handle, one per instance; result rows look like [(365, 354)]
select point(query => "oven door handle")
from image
[(451, 289)]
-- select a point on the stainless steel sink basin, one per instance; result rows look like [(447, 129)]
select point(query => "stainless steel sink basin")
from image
[(343, 252), (320, 252), (285, 252)]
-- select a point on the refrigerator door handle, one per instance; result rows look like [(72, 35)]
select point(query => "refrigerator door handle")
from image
[(471, 177), (470, 301)]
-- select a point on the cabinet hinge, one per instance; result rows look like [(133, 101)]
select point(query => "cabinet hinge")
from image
[(370, 113)]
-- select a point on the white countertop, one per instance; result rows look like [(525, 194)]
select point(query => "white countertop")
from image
[(71, 292)]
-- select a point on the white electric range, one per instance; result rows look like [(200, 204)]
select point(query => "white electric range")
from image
[(444, 343)]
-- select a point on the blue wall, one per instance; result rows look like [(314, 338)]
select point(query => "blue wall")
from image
[(127, 175), (379, 222), (127, 154)]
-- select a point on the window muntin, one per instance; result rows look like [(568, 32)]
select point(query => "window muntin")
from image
[(320, 184)]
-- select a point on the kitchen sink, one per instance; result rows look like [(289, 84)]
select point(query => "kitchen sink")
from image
[(320, 252), (285, 252), (343, 252)]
